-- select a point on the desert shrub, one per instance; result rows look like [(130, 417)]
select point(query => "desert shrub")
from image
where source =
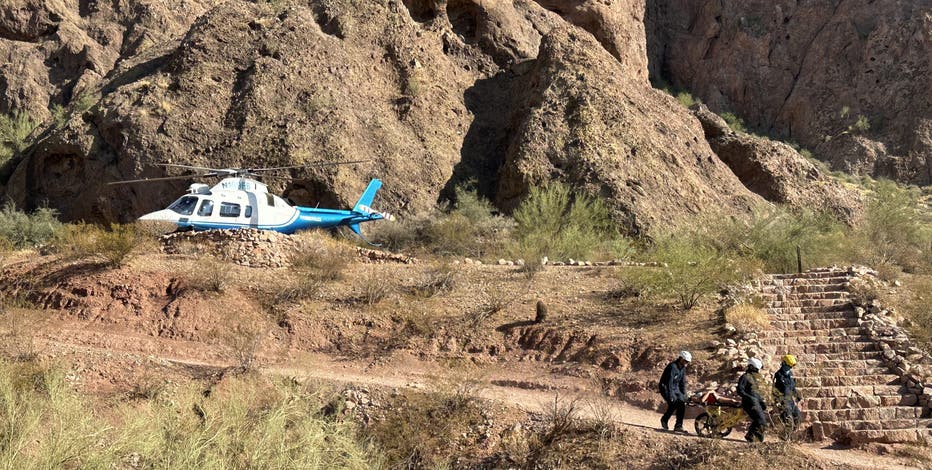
[(492, 301), (117, 244), (210, 274), (747, 318), (244, 422), (690, 269), (915, 308), (893, 229), (468, 227), (438, 279), (557, 222), (24, 230), (770, 239), (373, 288), (114, 246), (686, 99), (15, 130), (325, 263), (861, 125), (242, 342), (734, 122), (423, 430), (45, 424)]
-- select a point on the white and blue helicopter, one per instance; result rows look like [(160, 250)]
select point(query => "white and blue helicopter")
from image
[(238, 201)]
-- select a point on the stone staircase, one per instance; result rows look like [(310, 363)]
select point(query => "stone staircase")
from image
[(848, 393)]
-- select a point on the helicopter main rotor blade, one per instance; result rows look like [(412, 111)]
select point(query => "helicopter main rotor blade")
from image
[(163, 178), (308, 165), (188, 167)]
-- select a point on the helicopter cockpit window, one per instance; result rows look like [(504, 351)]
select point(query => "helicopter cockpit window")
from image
[(248, 212), (184, 205), (207, 208), (228, 209)]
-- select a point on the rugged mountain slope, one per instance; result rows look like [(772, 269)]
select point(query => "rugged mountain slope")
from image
[(806, 70), (433, 93), (588, 124)]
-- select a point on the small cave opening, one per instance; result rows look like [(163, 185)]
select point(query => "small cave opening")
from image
[(422, 11), (464, 17)]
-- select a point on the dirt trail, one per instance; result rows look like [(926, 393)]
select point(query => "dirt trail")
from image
[(528, 390)]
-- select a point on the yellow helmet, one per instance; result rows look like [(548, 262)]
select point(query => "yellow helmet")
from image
[(789, 360)]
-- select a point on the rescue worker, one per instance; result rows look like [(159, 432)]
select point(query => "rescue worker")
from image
[(785, 384), (751, 400), (673, 391)]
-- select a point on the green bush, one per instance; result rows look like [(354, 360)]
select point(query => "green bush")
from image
[(468, 228), (24, 230), (556, 222), (734, 122), (15, 130), (114, 247), (769, 239), (893, 230), (690, 269), (686, 99)]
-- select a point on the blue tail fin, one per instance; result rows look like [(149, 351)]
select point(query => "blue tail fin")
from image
[(364, 205)]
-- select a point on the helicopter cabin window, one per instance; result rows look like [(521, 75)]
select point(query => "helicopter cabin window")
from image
[(207, 208), (184, 205), (228, 209), (248, 212), (270, 199)]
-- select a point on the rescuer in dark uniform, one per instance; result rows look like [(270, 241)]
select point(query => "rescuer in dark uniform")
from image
[(785, 384), (751, 401), (673, 391)]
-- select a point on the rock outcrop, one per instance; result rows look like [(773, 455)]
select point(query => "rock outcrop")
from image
[(776, 171), (586, 123), (806, 71)]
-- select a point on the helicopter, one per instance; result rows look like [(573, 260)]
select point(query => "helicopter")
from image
[(239, 201)]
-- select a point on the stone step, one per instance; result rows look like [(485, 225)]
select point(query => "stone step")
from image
[(795, 341), (840, 366), (783, 279), (865, 414), (831, 311), (809, 303), (804, 288), (811, 275), (837, 348), (841, 358), (840, 372), (772, 296), (852, 391), (829, 403), (814, 323), (913, 435), (846, 380), (864, 425), (798, 329)]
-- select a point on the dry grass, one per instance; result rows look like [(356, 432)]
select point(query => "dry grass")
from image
[(210, 275), (428, 430), (747, 318), (438, 279), (373, 288)]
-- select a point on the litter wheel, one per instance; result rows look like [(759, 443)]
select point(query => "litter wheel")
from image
[(706, 427)]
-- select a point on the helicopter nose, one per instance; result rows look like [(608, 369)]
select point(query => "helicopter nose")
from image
[(163, 214)]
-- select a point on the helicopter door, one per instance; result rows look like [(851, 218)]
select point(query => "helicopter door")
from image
[(206, 209)]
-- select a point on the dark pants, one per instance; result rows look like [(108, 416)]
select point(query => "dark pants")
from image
[(758, 422), (675, 406), (790, 410)]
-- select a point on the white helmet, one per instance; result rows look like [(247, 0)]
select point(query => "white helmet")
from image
[(686, 355), (756, 363)]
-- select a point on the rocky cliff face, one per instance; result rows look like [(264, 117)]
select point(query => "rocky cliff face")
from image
[(586, 123), (806, 71), (434, 93)]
